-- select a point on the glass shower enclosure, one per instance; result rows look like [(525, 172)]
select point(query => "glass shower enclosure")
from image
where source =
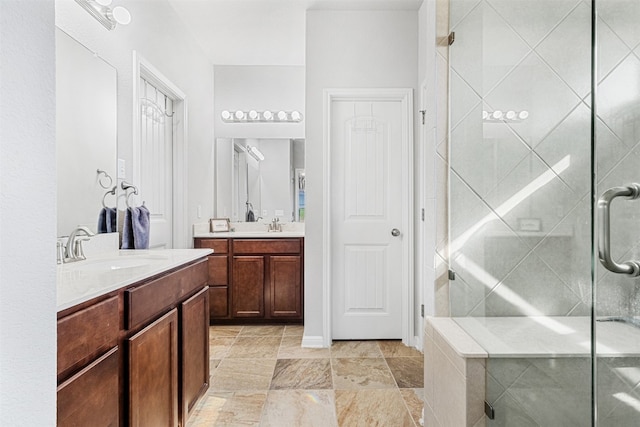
[(543, 202)]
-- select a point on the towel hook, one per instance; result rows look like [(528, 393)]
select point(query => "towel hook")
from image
[(112, 192), (104, 175)]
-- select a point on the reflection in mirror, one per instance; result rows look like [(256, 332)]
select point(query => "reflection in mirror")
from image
[(85, 135), (260, 179)]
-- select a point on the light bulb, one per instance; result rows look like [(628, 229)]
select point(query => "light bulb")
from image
[(523, 115), (511, 115), (225, 115), (296, 116), (253, 115), (267, 115), (497, 115), (121, 15), (282, 115), (485, 115), (239, 115)]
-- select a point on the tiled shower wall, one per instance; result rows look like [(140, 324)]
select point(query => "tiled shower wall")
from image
[(519, 221)]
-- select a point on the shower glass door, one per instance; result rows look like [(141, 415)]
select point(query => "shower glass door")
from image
[(617, 167), (528, 159)]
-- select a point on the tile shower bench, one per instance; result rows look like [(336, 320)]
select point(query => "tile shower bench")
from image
[(469, 360)]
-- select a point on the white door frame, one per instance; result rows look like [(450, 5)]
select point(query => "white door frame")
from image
[(143, 68), (405, 96)]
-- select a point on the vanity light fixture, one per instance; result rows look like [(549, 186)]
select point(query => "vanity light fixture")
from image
[(498, 116), (240, 116), (255, 153), (104, 14)]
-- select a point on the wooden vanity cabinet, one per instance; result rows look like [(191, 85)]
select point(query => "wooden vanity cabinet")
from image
[(255, 280), (138, 356)]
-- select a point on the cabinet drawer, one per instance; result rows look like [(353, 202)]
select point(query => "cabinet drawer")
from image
[(149, 300), (219, 246), (90, 398), (266, 246), (218, 270), (84, 335)]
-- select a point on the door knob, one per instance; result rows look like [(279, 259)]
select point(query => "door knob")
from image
[(395, 232)]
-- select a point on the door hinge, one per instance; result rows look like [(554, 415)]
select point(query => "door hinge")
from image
[(421, 310), (489, 411), (452, 275), (451, 38), (423, 112), (422, 214)]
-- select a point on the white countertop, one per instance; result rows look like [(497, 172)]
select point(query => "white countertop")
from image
[(81, 281), (529, 337), (250, 235), (250, 230)]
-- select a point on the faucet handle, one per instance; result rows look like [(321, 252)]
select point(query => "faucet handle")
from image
[(78, 251)]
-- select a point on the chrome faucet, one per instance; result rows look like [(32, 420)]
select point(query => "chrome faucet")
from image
[(275, 225), (73, 249)]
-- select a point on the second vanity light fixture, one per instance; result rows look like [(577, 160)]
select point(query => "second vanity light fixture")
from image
[(266, 116), (104, 14)]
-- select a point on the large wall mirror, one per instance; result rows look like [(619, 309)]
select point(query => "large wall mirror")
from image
[(86, 139), (260, 179)]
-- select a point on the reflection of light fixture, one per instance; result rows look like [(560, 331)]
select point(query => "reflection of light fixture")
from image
[(498, 116), (108, 17), (255, 153), (261, 116)]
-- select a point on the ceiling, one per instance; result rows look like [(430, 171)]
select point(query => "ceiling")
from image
[(262, 32)]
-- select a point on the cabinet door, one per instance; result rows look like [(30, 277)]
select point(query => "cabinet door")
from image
[(153, 374), (90, 398), (248, 286), (194, 349), (285, 286)]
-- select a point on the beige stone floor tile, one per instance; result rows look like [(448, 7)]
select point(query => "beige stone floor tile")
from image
[(224, 331), (290, 348), (305, 374), (361, 373), (395, 348), (226, 409), (243, 374), (414, 399), (293, 330), (355, 349), (219, 347), (262, 331), (255, 347), (371, 408), (299, 408), (407, 371)]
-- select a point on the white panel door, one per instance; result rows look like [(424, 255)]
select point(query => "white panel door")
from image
[(156, 163), (366, 206)]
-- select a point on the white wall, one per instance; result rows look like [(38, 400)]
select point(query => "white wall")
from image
[(345, 49), (157, 34), (27, 214), (259, 88)]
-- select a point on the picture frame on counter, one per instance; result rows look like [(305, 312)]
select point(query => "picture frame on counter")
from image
[(219, 225)]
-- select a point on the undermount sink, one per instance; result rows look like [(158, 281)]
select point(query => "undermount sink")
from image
[(115, 263)]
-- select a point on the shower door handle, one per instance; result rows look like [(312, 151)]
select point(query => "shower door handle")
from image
[(630, 192)]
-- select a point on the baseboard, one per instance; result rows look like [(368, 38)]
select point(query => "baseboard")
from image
[(418, 344), (313, 341)]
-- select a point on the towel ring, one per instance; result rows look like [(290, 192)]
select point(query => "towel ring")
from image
[(104, 175), (126, 186), (112, 192)]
